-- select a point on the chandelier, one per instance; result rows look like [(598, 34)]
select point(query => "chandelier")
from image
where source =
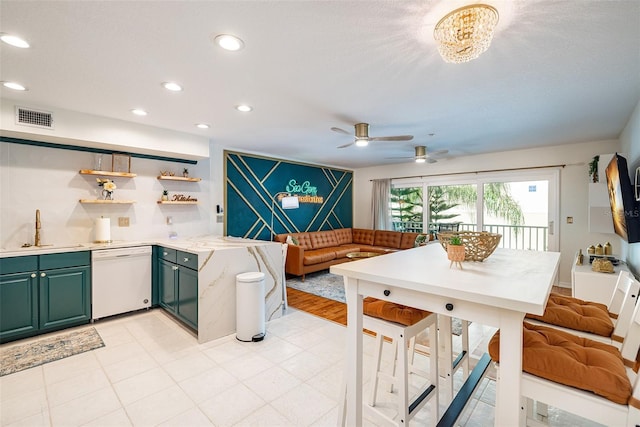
[(465, 33)]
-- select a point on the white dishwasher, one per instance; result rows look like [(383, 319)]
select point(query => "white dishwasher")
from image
[(120, 280)]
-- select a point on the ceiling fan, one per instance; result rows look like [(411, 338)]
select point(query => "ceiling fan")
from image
[(362, 137), (422, 156)]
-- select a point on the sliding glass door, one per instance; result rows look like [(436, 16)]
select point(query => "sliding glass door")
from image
[(522, 206)]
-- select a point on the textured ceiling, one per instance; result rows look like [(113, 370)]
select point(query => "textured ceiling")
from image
[(557, 72)]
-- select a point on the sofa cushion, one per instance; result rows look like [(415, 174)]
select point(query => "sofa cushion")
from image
[(389, 239), (576, 314), (316, 256), (392, 312), (304, 240), (362, 236), (323, 239), (343, 235), (343, 250), (408, 240), (570, 360)]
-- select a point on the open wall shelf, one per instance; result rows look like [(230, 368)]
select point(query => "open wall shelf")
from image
[(178, 178), (107, 202), (170, 202), (107, 173)]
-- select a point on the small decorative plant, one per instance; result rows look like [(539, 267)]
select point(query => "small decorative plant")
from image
[(185, 172), (108, 187), (593, 169), (165, 195), (455, 251)]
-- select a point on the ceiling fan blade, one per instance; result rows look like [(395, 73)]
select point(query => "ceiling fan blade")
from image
[(430, 160), (437, 153), (391, 138), (409, 157), (346, 145), (341, 131)]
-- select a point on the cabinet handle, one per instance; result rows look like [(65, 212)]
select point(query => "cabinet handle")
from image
[(186, 260), (33, 275), (175, 267), (43, 274)]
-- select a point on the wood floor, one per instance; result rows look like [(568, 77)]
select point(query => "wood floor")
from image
[(337, 311), (327, 308)]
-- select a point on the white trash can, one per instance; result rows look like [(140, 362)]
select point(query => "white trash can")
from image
[(250, 325)]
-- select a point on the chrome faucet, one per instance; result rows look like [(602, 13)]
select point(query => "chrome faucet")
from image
[(38, 226)]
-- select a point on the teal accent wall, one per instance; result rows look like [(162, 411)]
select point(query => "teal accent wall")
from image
[(251, 182)]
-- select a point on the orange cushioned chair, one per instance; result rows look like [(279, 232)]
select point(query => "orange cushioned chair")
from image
[(590, 319), (578, 375)]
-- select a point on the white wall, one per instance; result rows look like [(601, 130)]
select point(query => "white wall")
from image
[(573, 188), (73, 128), (630, 145), (47, 179)]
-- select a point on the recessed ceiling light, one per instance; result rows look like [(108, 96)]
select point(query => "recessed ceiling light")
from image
[(173, 87), (244, 108), (13, 85), (229, 42), (203, 126), (139, 112), (14, 40)]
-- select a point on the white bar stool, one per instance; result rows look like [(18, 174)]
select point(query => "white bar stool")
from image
[(402, 324)]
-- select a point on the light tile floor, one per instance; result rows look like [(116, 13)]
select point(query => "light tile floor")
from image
[(153, 372)]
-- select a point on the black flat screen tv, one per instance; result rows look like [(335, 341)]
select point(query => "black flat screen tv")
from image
[(624, 209)]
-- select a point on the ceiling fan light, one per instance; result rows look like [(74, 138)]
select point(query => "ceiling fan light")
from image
[(420, 160), (362, 142)]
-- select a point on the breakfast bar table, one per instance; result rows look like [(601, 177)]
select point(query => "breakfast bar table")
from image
[(496, 292)]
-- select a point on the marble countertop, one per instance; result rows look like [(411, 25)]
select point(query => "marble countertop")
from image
[(194, 245)]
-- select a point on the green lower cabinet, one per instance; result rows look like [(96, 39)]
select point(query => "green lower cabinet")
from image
[(18, 305), (187, 308), (167, 285), (178, 285), (65, 297), (39, 294)]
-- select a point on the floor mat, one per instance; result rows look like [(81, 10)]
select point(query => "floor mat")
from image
[(15, 358)]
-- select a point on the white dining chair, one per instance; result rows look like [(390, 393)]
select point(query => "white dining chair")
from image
[(621, 364), (621, 306)]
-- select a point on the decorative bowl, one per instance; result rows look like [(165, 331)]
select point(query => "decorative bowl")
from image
[(478, 244)]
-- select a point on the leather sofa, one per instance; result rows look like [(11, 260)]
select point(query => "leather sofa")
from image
[(319, 250)]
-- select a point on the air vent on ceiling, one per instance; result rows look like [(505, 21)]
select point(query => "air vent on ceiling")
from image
[(36, 118)]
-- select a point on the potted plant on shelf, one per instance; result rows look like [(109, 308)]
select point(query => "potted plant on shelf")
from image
[(185, 173), (593, 169), (455, 251), (165, 195)]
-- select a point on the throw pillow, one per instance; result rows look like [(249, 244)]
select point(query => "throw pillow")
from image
[(421, 239), (292, 240)]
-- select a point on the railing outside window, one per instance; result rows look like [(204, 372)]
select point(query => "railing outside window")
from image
[(513, 236)]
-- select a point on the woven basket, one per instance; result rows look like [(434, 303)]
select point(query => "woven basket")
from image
[(478, 244)]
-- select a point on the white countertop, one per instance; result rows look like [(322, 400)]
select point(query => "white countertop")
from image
[(194, 245), (508, 278)]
